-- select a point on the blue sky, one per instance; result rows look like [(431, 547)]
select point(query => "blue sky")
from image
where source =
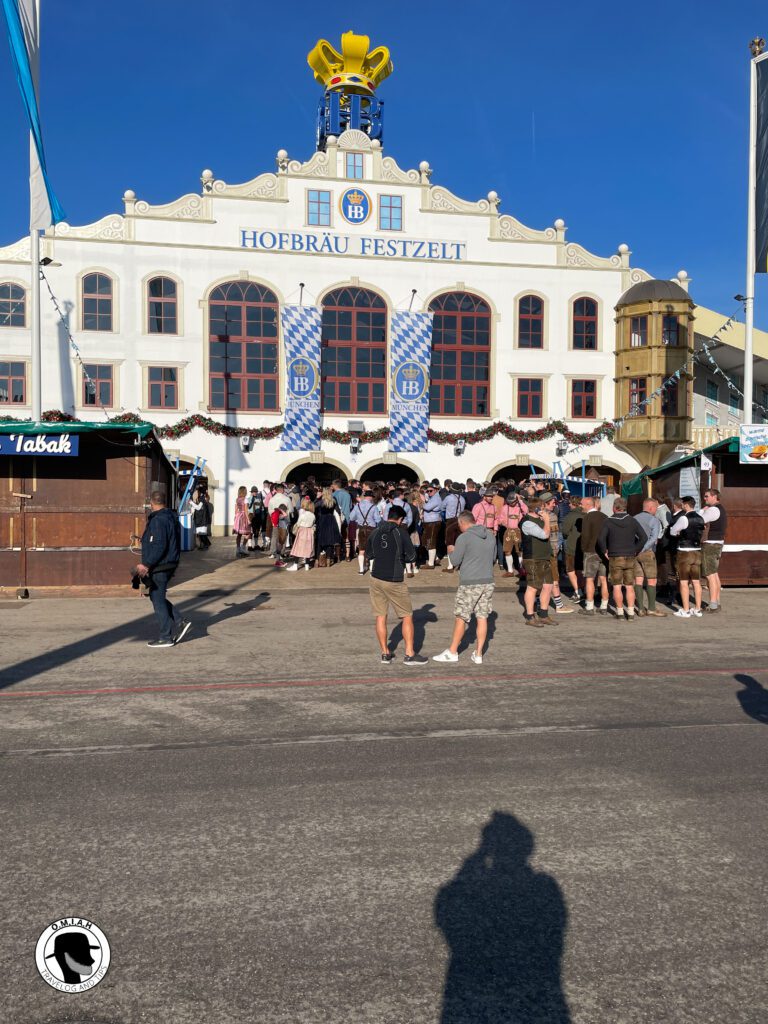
[(629, 121)]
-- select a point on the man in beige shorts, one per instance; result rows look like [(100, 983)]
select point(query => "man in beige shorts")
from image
[(388, 549)]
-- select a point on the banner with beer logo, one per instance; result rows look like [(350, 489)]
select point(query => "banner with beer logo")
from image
[(301, 335), (411, 355)]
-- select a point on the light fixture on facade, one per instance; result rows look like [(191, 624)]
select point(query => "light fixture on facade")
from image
[(458, 448), (245, 442), (561, 448)]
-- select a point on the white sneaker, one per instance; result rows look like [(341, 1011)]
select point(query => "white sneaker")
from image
[(476, 658), (445, 656), (565, 610), (306, 567), (697, 612), (293, 567), (415, 571), (681, 613)]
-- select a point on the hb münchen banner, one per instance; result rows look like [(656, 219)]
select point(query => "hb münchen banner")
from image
[(411, 355), (301, 334), (761, 169)]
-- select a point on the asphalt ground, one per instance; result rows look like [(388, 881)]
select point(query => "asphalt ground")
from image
[(271, 826)]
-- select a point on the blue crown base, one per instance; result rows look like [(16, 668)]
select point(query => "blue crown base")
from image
[(361, 113)]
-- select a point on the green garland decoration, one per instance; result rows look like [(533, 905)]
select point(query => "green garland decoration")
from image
[(498, 428)]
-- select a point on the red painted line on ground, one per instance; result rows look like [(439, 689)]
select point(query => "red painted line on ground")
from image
[(368, 681)]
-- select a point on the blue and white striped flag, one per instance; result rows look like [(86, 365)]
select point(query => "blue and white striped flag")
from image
[(301, 335), (411, 355), (21, 17)]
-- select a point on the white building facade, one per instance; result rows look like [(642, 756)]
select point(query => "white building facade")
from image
[(175, 310)]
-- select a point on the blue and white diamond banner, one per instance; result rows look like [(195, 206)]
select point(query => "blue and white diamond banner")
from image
[(301, 336), (411, 356)]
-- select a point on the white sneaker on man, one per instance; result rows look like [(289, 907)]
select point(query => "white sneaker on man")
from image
[(445, 656), (681, 613), (697, 613), (475, 658)]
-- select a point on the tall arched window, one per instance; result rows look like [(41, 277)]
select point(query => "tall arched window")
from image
[(585, 324), (243, 346), (161, 306), (530, 322), (97, 302), (13, 305), (354, 354), (461, 356)]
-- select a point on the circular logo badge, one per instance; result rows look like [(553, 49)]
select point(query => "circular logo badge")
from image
[(355, 206), (302, 377), (72, 954), (410, 381)]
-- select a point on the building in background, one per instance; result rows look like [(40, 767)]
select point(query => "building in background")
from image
[(176, 311)]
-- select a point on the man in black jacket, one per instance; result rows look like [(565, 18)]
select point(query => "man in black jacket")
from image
[(388, 550), (160, 552), (621, 539)]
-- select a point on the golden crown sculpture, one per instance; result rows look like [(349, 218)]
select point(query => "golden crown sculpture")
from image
[(352, 70), (355, 198)]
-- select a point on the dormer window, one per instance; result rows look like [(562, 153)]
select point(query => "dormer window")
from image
[(354, 165)]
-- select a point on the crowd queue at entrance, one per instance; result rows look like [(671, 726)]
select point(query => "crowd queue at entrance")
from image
[(534, 532)]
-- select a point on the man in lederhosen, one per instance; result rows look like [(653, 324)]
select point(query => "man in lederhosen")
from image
[(453, 506), (366, 518)]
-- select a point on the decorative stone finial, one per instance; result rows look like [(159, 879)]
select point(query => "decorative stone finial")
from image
[(206, 180), (282, 160), (756, 46), (623, 249), (426, 171), (493, 198), (559, 224), (129, 195)]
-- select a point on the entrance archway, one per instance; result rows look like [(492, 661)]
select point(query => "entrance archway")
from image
[(517, 473), (390, 472), (323, 472)]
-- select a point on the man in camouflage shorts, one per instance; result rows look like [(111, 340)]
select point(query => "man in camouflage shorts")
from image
[(474, 556)]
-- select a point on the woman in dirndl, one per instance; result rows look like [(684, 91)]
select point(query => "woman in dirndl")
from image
[(242, 524), (303, 547)]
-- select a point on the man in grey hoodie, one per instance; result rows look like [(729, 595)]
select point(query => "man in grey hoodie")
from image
[(474, 556)]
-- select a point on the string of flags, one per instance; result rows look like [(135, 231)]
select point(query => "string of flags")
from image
[(89, 383), (673, 379)]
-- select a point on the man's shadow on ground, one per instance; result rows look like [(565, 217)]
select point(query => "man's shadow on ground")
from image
[(504, 924), (753, 698), (470, 636), (421, 616), (204, 620)]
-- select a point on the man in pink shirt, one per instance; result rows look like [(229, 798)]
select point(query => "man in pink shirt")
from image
[(508, 523)]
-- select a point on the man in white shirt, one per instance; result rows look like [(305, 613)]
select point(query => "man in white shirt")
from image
[(715, 516)]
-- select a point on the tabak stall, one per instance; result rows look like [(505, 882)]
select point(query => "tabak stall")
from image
[(72, 496), (743, 492)]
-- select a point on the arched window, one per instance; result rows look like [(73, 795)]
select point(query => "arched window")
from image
[(97, 302), (161, 306), (13, 305), (243, 346), (461, 356), (585, 324), (530, 322), (354, 354)]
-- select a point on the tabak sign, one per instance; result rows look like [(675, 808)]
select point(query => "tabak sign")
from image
[(38, 444)]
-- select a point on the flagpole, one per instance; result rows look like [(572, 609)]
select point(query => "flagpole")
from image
[(36, 355), (749, 291)]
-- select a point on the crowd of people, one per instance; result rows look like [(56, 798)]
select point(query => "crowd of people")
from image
[(534, 532)]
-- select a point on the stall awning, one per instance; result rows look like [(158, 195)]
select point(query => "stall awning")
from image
[(26, 427), (635, 485)]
